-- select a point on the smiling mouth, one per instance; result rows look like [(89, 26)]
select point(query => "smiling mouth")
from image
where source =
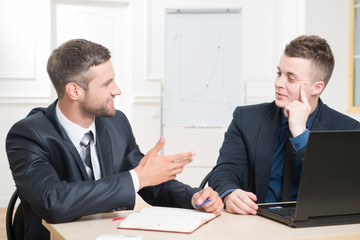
[(111, 102), (280, 95)]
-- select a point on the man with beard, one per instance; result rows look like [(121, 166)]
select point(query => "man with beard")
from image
[(78, 156)]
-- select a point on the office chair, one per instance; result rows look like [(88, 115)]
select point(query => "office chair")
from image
[(205, 180), (14, 225)]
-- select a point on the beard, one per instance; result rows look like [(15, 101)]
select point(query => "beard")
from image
[(97, 110)]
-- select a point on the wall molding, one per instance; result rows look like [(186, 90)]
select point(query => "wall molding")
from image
[(149, 75), (155, 78), (16, 77), (147, 99), (24, 100), (94, 2)]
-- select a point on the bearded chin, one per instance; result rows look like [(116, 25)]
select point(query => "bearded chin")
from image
[(98, 111), (104, 113)]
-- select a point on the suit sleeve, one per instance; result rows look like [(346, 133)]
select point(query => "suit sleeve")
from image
[(171, 194), (52, 198), (231, 169)]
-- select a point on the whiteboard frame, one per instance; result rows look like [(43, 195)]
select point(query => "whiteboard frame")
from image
[(196, 11)]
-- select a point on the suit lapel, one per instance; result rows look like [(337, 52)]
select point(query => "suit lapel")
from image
[(265, 151), (104, 149), (77, 157), (320, 121), (51, 115), (318, 125)]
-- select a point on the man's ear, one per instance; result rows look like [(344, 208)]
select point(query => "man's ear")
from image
[(73, 91), (318, 87)]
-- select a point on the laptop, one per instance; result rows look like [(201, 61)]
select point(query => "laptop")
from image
[(329, 190)]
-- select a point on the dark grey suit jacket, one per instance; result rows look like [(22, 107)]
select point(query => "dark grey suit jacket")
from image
[(246, 155), (52, 181)]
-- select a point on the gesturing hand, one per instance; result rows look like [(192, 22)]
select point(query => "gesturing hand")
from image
[(154, 169)]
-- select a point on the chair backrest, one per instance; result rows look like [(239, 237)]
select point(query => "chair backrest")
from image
[(14, 224), (205, 180)]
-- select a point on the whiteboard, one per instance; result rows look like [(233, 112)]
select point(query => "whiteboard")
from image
[(202, 84)]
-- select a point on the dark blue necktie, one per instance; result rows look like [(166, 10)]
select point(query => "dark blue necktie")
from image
[(288, 172)]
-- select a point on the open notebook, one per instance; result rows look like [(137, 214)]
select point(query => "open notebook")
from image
[(167, 219)]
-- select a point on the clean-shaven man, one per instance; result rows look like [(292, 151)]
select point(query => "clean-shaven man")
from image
[(261, 138)]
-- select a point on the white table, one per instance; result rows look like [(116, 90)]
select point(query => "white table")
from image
[(226, 227)]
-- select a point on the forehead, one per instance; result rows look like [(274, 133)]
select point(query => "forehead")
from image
[(300, 67), (102, 72)]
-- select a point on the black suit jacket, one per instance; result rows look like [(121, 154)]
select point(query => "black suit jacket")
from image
[(52, 181), (246, 155)]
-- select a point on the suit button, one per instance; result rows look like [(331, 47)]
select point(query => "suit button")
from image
[(113, 210), (123, 208)]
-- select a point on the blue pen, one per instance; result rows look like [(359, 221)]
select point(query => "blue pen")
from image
[(199, 205)]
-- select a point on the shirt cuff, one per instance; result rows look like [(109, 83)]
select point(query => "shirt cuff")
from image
[(301, 140), (192, 203), (135, 180), (223, 195)]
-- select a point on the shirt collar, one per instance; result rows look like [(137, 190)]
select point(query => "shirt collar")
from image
[(74, 131), (310, 120)]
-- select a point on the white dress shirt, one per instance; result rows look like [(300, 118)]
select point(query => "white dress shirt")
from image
[(76, 133)]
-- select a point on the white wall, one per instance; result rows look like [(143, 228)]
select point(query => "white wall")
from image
[(268, 26), (330, 19), (24, 49)]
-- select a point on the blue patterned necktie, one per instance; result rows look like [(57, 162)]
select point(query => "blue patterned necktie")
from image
[(85, 153)]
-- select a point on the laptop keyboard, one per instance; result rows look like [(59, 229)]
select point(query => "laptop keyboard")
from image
[(284, 212)]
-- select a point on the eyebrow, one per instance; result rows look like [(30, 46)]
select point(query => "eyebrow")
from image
[(107, 82), (288, 73)]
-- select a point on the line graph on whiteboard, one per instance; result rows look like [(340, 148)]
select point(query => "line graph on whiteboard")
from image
[(201, 81), (202, 76)]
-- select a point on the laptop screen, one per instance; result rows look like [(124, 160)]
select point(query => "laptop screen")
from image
[(330, 180)]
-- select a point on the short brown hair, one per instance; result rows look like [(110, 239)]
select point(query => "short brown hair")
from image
[(71, 61), (315, 49)]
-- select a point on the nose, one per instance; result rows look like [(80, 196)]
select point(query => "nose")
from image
[(279, 81), (116, 90)]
